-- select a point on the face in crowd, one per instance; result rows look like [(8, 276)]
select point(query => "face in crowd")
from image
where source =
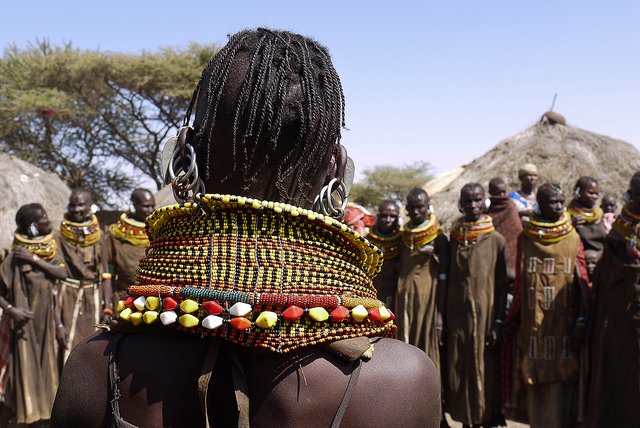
[(551, 201), (587, 192), (387, 219), (528, 181), (79, 208), (143, 204), (472, 202), (418, 207)]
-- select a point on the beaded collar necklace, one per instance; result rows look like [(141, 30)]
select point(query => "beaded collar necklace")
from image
[(421, 235), (468, 232), (82, 234), (590, 215), (627, 226), (389, 244), (549, 233), (130, 230), (42, 246), (257, 273)]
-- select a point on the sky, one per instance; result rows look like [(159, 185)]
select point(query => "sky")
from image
[(435, 81)]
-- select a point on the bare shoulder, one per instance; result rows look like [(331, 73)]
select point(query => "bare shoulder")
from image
[(83, 394), (406, 380)]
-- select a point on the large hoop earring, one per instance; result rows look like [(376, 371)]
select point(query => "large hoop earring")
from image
[(182, 167), (326, 202)]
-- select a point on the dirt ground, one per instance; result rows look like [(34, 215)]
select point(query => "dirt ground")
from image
[(510, 424)]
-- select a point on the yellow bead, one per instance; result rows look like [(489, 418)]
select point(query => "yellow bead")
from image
[(359, 313), (318, 314), (311, 216), (295, 213), (188, 306), (267, 319), (135, 318), (125, 314), (188, 321), (384, 314), (152, 303), (256, 204), (120, 306), (277, 209), (150, 317)]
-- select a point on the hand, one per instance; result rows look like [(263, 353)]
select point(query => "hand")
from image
[(61, 336), (492, 338), (577, 220), (426, 249), (20, 315), (21, 254)]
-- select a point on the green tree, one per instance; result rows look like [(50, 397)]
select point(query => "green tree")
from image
[(389, 182), (97, 119)]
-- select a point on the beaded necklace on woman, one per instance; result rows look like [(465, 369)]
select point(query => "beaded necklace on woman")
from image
[(41, 246), (549, 232), (421, 235), (468, 232), (257, 273), (389, 244), (589, 214), (130, 230), (82, 234)]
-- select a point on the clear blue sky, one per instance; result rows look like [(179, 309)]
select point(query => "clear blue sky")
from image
[(440, 81)]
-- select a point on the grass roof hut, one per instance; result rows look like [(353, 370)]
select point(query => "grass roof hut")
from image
[(562, 154), (23, 183)]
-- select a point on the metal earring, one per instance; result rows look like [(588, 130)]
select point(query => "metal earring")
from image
[(326, 202), (181, 167)]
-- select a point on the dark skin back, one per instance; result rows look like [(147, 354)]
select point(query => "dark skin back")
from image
[(159, 377), (159, 373)]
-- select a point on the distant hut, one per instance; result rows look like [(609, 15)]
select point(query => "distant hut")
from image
[(562, 154), (23, 183)]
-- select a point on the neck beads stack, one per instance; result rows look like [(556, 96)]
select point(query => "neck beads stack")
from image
[(82, 234), (257, 273), (421, 235), (41, 246), (548, 233), (627, 227), (468, 232), (389, 244), (590, 215), (130, 230)]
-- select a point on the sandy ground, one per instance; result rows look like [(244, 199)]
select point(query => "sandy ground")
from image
[(510, 424)]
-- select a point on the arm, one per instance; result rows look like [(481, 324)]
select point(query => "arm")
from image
[(443, 250), (107, 290), (499, 297), (52, 270), (18, 315), (513, 317), (579, 332)]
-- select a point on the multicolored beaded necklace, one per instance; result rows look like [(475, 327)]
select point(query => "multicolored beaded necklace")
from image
[(42, 246), (82, 234), (590, 215), (468, 232), (627, 226), (130, 230), (389, 244), (549, 233), (419, 236), (257, 273)]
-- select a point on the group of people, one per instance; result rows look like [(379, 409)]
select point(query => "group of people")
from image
[(55, 287), (531, 308)]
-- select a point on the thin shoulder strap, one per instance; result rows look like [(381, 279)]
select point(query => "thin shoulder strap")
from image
[(348, 394), (114, 379), (205, 377)]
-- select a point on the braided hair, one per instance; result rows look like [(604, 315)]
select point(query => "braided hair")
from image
[(289, 109)]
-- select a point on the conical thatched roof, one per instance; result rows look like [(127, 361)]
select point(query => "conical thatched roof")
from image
[(561, 153), (23, 183)]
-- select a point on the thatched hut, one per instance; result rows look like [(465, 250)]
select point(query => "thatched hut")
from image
[(23, 183), (562, 154)]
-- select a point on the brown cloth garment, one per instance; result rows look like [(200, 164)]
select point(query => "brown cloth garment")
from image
[(80, 295), (477, 282), (547, 298), (592, 235), (386, 282), (33, 370), (125, 257), (416, 298), (614, 393), (507, 221)]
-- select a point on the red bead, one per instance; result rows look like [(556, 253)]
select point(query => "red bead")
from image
[(169, 304), (128, 303), (211, 308), (392, 317), (339, 314), (292, 313), (375, 316), (240, 323)]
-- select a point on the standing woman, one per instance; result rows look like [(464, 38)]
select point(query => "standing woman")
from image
[(29, 374), (586, 216)]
